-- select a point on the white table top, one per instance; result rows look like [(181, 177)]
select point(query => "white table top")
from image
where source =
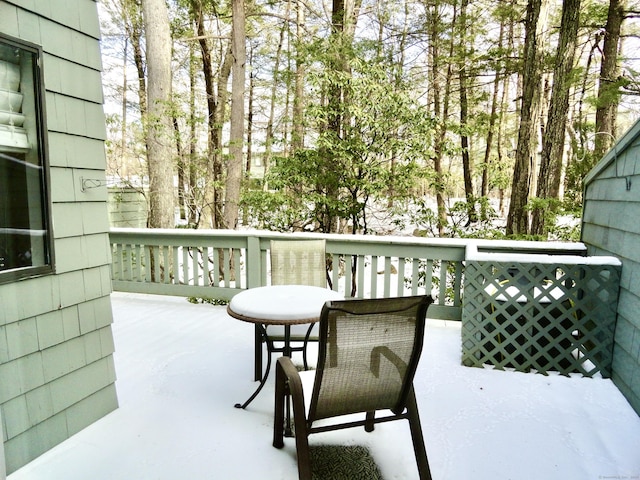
[(281, 304)]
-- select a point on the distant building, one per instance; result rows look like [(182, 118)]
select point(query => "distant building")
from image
[(127, 208)]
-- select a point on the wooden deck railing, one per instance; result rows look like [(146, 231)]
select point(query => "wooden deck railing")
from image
[(220, 263)]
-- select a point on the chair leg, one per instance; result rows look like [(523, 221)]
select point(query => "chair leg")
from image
[(278, 416), (303, 456), (305, 345), (417, 437), (300, 424), (369, 424), (288, 383), (257, 353)]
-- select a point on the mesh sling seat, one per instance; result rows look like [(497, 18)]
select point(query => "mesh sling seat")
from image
[(368, 355), (294, 262)]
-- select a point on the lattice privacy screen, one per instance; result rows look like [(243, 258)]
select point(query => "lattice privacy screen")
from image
[(540, 316)]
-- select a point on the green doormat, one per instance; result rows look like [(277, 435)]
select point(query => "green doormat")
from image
[(337, 462)]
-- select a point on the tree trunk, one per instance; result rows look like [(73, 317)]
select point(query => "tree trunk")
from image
[(398, 73), (504, 108), (158, 125), (440, 100), (608, 94), (249, 159), (135, 31), (181, 168), (234, 165), (209, 214), (518, 219), (343, 19), (554, 133), (123, 126), (219, 119), (268, 141), (486, 163), (464, 114), (193, 217), (297, 133)]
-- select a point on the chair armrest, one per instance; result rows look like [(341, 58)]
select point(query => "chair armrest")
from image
[(289, 370)]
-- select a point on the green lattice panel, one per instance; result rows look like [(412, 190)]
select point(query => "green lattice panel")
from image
[(542, 317)]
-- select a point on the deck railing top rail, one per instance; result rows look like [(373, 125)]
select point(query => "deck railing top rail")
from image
[(482, 245)]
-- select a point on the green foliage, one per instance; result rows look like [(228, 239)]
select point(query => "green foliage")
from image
[(459, 225), (567, 232), (574, 178), (594, 13), (429, 276), (500, 173), (305, 182), (372, 143), (560, 220), (274, 210), (549, 208), (209, 300), (367, 97)]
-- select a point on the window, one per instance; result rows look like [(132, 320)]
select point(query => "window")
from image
[(25, 237)]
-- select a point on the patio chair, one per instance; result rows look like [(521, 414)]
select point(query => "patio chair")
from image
[(368, 355), (298, 262), (294, 262)]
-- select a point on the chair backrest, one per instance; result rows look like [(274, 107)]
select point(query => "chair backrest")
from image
[(368, 354), (298, 262)]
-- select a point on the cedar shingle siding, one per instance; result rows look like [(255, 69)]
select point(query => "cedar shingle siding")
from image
[(56, 365), (611, 226)]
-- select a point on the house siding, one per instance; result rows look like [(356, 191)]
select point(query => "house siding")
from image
[(56, 365), (611, 226)]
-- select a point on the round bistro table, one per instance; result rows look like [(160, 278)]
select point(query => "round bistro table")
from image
[(284, 305)]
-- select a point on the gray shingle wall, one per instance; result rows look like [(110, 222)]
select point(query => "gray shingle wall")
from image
[(611, 226), (56, 365)]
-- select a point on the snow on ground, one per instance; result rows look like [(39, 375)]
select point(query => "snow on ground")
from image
[(181, 368)]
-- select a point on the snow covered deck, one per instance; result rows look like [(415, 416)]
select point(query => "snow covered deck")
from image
[(181, 368)]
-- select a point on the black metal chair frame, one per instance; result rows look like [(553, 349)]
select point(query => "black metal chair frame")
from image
[(289, 385)]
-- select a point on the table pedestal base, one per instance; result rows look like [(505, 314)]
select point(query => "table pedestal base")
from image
[(286, 350)]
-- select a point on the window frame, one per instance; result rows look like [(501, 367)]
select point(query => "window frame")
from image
[(48, 268)]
